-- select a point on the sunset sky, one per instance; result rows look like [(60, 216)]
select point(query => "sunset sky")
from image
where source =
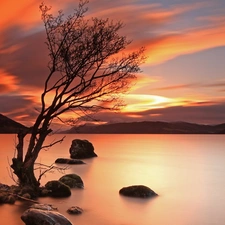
[(183, 78)]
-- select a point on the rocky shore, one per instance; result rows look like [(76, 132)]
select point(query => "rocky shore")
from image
[(47, 214)]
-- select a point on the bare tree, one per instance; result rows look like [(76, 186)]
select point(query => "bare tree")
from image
[(88, 70)]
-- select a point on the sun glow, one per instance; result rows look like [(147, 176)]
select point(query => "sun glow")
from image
[(141, 102)]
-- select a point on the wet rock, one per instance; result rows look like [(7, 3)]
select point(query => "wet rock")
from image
[(44, 192), (4, 187), (75, 210), (139, 191), (27, 192), (37, 216), (58, 189), (72, 180), (26, 196), (69, 161), (81, 149), (5, 197)]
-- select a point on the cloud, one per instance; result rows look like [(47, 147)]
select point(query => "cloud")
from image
[(174, 87), (24, 56), (19, 108), (213, 114), (29, 62)]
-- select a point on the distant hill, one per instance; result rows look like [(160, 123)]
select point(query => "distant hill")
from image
[(8, 126), (149, 127)]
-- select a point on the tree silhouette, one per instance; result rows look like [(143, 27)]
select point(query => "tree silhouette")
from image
[(88, 70)]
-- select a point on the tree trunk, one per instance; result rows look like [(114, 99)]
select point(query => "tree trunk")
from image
[(25, 173)]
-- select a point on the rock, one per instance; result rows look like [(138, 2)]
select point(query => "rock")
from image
[(27, 191), (5, 197), (4, 187), (81, 149), (139, 191), (43, 192), (58, 189), (72, 180), (43, 207), (38, 217), (75, 210), (26, 195), (68, 161)]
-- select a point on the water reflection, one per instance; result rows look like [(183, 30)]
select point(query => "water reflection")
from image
[(187, 171)]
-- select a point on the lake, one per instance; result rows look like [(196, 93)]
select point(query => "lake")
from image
[(187, 171)]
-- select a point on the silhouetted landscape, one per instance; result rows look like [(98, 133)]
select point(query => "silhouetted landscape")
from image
[(150, 127), (8, 125)]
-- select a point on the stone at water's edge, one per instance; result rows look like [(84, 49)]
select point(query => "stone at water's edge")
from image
[(81, 149), (58, 189), (72, 180), (139, 191), (37, 217), (68, 161), (75, 210)]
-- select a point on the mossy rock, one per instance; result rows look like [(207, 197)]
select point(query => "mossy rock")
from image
[(26, 191), (72, 180), (7, 198), (139, 191), (58, 189)]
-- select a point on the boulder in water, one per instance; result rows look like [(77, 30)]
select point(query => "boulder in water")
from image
[(58, 189), (81, 149), (139, 191), (72, 180), (38, 216)]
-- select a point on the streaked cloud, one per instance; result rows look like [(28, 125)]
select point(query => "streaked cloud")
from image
[(167, 32)]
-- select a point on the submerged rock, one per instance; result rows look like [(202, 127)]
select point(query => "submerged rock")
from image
[(38, 216), (47, 207), (75, 210), (81, 149), (58, 189), (72, 180), (139, 191), (68, 161)]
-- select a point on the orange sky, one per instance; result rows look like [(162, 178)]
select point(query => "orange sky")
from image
[(183, 77)]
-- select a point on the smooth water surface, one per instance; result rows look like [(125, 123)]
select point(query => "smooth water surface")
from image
[(187, 171)]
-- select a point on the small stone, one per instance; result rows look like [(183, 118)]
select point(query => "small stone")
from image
[(75, 210)]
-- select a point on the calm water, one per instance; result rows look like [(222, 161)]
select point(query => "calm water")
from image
[(187, 171)]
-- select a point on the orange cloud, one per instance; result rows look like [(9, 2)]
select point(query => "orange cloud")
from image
[(9, 82), (23, 12), (169, 46)]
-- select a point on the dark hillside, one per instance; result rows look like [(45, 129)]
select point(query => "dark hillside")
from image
[(149, 127), (8, 126)]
